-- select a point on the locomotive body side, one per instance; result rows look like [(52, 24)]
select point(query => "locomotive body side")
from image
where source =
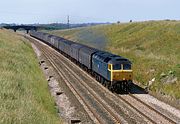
[(99, 66)]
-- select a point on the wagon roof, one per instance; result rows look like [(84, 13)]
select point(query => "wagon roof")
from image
[(77, 45), (88, 50)]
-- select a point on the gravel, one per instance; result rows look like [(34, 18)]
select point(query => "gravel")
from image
[(68, 108), (161, 106)]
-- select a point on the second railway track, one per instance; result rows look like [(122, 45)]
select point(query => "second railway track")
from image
[(154, 115), (102, 110)]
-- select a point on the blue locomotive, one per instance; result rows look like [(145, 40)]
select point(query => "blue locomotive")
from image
[(111, 70)]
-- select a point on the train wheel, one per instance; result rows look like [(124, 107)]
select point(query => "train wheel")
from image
[(111, 88), (125, 86), (96, 77), (122, 87), (118, 89), (115, 88), (108, 85), (105, 83), (129, 83), (101, 80)]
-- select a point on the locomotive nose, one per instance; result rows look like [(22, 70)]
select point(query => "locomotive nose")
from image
[(122, 75)]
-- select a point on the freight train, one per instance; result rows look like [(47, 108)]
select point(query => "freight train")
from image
[(113, 71)]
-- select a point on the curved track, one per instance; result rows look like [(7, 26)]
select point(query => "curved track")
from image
[(99, 109), (83, 92)]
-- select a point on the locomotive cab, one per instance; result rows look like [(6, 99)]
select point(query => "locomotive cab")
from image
[(116, 70), (121, 73), (120, 70)]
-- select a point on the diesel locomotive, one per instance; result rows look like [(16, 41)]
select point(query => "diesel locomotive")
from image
[(111, 70)]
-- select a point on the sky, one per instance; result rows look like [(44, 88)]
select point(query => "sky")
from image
[(84, 11)]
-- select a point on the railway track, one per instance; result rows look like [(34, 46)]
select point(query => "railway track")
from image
[(107, 108), (142, 108), (153, 109), (102, 104), (110, 116)]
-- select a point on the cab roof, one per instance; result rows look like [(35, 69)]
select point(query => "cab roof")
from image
[(110, 58)]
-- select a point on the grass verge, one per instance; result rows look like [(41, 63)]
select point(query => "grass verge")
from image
[(24, 94)]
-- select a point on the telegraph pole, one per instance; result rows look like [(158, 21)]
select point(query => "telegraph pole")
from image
[(68, 22)]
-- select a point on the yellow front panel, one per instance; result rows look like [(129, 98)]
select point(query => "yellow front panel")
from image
[(120, 75)]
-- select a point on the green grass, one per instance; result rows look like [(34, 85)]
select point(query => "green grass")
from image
[(24, 94), (152, 46)]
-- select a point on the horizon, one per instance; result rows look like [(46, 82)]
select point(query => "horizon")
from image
[(87, 22), (90, 11)]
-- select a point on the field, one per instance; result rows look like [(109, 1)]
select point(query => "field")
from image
[(24, 94), (152, 46)]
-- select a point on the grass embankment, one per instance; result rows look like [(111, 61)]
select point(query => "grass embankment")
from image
[(153, 47), (24, 95)]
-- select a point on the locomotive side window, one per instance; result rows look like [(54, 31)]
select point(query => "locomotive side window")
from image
[(127, 66), (117, 67)]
